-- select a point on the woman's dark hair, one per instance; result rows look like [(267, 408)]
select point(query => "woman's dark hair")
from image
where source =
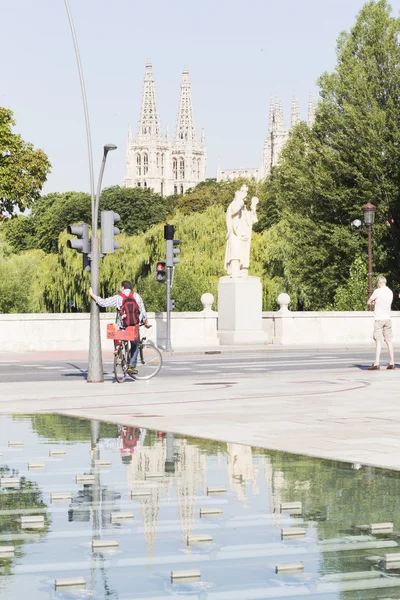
[(127, 285)]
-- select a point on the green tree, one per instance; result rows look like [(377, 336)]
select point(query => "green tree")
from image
[(54, 212), (49, 217), (349, 157), (60, 283), (138, 208), (19, 231), (17, 279), (353, 294), (305, 258), (23, 170), (214, 193)]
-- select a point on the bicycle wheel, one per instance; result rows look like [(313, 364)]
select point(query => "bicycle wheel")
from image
[(120, 363), (149, 361)]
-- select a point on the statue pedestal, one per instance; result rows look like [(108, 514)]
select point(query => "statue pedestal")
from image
[(240, 311)]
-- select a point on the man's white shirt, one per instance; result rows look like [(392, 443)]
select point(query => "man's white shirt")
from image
[(383, 297), (116, 301)]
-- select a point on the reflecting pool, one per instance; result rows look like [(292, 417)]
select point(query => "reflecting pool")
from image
[(96, 510)]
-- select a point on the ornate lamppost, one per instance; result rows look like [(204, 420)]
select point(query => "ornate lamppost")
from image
[(369, 219)]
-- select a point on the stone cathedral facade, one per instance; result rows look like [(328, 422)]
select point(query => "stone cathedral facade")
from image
[(277, 136), (153, 160)]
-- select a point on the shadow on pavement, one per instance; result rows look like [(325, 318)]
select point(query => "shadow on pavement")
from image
[(383, 367)]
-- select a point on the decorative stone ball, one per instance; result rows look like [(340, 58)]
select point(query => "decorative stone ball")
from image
[(283, 301), (207, 301)]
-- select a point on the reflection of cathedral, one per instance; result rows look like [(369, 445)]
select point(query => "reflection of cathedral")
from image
[(277, 136), (185, 470), (190, 476), (149, 459)]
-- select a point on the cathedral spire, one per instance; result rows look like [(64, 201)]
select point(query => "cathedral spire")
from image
[(311, 111), (281, 121), (149, 125), (295, 114), (185, 127), (271, 115)]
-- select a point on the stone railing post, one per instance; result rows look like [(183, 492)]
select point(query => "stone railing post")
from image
[(283, 301)]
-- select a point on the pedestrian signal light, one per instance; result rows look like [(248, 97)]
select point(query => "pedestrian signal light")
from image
[(161, 272)]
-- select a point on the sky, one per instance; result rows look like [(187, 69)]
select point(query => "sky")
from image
[(239, 55)]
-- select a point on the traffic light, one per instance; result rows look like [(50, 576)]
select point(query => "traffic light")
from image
[(172, 305), (171, 249), (108, 231), (82, 244), (161, 272)]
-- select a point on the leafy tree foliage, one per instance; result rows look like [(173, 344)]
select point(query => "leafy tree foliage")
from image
[(139, 208), (58, 283), (351, 295), (349, 157), (20, 232), (49, 217), (29, 497), (23, 170), (17, 275), (214, 193), (62, 428)]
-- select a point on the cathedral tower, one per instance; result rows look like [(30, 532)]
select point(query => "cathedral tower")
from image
[(148, 155), (151, 160), (188, 153)]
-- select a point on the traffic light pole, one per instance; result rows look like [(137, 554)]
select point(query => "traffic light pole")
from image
[(95, 363), (168, 347)]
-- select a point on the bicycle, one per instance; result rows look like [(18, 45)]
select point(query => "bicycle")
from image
[(149, 356)]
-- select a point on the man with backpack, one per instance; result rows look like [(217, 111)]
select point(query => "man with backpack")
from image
[(130, 311)]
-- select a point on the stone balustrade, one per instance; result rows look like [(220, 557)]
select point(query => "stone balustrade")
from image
[(70, 332)]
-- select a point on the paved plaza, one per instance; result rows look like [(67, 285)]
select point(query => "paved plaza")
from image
[(313, 403)]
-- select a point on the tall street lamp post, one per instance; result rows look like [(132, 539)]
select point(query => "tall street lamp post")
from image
[(369, 219), (95, 362)]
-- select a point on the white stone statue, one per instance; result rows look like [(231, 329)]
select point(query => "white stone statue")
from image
[(239, 225)]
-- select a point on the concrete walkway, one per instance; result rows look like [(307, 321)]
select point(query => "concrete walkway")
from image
[(347, 415)]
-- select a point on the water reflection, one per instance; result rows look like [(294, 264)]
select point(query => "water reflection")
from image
[(162, 481)]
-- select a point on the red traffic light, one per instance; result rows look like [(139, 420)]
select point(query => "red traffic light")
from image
[(161, 272)]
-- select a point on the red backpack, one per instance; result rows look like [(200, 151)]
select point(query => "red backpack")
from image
[(130, 311)]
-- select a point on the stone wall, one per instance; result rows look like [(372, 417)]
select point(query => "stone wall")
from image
[(39, 332)]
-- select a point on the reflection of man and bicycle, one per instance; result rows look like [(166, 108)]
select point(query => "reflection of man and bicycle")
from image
[(130, 440), (134, 355)]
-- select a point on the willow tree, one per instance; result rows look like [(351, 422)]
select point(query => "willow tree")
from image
[(61, 286)]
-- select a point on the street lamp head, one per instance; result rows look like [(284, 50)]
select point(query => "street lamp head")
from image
[(109, 147), (356, 223), (369, 214)]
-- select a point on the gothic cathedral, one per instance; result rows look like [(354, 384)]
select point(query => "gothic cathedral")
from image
[(152, 161)]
